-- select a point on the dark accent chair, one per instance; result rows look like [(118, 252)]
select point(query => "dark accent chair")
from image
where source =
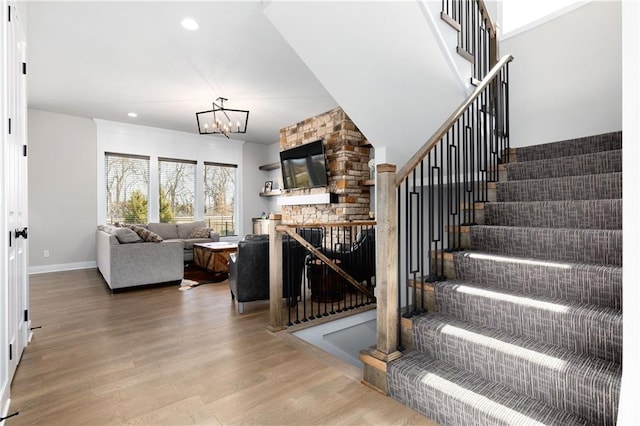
[(249, 270), (359, 258)]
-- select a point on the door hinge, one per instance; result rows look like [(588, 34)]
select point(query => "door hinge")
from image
[(9, 126), (9, 14), (24, 150), (24, 68), (10, 351), (10, 238), (26, 315)]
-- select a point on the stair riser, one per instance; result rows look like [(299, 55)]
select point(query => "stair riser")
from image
[(590, 333), (588, 164), (592, 284), (587, 390), (570, 245), (567, 148), (583, 214), (592, 187)]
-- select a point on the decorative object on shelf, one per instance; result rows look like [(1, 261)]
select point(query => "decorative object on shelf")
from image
[(268, 186), (372, 168), (222, 120)]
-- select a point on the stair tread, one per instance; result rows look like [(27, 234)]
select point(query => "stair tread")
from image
[(575, 165), (449, 395), (512, 296), (533, 260), (584, 187), (471, 227), (528, 366), (525, 181), (556, 321), (584, 282), (570, 147), (583, 214), (597, 246), (438, 320)]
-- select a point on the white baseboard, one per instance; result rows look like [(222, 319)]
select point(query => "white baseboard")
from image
[(5, 401), (61, 267)]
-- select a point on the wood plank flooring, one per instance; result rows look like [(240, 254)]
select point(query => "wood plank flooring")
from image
[(163, 356)]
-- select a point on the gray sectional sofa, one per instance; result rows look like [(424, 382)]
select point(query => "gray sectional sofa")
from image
[(125, 259)]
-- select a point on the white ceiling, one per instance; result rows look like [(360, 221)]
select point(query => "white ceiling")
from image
[(105, 59)]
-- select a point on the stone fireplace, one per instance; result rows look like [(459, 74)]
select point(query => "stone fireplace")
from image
[(347, 155)]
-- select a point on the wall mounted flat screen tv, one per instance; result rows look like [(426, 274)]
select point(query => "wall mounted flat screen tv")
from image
[(304, 166)]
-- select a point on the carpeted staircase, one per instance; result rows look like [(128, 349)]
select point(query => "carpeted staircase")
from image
[(530, 329)]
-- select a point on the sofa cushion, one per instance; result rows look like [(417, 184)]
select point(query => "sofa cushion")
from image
[(167, 231), (106, 228), (200, 233), (146, 234), (126, 235), (185, 229)]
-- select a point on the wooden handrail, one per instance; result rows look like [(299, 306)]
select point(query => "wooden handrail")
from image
[(330, 225), (414, 161), (330, 263), (486, 15)]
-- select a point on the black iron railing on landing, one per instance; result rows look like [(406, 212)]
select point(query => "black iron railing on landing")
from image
[(326, 269), (438, 189), (476, 33)]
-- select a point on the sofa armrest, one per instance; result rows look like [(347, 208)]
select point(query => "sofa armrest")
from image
[(146, 263), (214, 236)]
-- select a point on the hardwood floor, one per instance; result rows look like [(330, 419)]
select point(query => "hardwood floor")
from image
[(163, 356)]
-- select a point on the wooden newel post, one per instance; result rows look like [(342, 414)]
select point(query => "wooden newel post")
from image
[(386, 264), (276, 321)]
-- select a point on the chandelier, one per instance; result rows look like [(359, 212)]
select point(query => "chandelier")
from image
[(222, 120)]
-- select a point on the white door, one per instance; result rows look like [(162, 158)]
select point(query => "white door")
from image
[(15, 180)]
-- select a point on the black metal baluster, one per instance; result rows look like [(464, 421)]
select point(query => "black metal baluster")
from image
[(421, 244), (406, 247), (399, 272)]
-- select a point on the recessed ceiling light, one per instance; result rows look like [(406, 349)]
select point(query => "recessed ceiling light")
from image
[(132, 115), (189, 24)]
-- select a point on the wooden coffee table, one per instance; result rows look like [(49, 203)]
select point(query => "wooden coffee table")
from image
[(213, 257)]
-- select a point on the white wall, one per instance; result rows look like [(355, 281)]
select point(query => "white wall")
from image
[(62, 191), (255, 155), (141, 140), (566, 78), (382, 64), (66, 160), (629, 413)]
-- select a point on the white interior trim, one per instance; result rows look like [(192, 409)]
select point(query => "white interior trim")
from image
[(296, 200), (34, 270)]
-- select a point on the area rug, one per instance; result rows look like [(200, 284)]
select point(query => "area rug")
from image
[(195, 276)]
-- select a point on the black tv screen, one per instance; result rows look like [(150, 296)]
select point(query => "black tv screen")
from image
[(304, 166)]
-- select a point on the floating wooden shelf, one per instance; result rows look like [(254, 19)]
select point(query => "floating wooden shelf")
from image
[(271, 166), (368, 182), (273, 193)]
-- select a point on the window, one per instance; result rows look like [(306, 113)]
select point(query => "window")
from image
[(127, 185), (177, 182), (220, 197)]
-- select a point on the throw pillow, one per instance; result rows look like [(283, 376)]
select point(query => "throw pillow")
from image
[(126, 235), (201, 233), (145, 234)]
